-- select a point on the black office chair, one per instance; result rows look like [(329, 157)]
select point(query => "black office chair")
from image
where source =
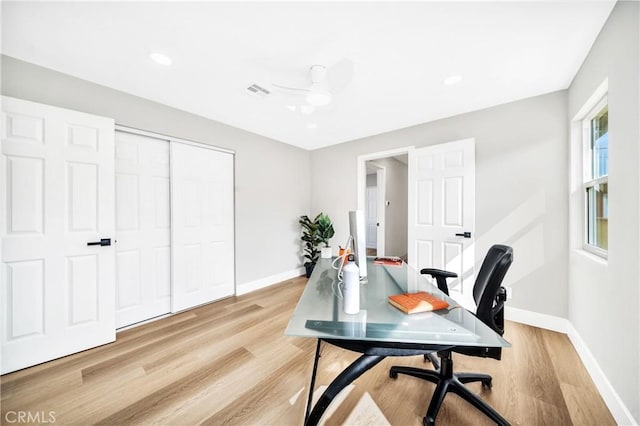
[(489, 296)]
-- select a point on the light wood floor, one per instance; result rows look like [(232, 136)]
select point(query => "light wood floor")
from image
[(230, 363)]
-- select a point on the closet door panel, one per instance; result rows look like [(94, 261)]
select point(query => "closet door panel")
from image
[(142, 228), (202, 225)]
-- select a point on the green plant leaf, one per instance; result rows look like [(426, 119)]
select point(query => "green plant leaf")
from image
[(325, 228)]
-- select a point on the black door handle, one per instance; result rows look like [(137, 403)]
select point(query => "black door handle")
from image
[(102, 242), (464, 234)]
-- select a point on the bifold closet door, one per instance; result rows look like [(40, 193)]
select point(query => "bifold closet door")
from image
[(143, 220), (57, 226), (202, 249)]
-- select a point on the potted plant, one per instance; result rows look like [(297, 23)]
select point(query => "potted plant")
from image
[(326, 232), (311, 239)]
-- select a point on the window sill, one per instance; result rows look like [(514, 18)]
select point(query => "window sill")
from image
[(592, 256)]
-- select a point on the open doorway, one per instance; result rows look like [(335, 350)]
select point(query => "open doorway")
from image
[(374, 209), (383, 196), (439, 231)]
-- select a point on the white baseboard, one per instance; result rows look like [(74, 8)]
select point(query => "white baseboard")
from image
[(548, 322), (268, 281), (618, 409)]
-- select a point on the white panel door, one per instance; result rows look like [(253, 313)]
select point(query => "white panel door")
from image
[(57, 293), (143, 232), (441, 206), (202, 248), (372, 217)]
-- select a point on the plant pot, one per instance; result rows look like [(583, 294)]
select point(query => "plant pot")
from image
[(309, 269), (325, 252)]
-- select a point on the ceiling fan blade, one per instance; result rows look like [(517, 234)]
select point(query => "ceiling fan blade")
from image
[(297, 90), (339, 75)]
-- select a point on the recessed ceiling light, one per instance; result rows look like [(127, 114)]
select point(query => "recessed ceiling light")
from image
[(452, 79), (161, 58), (312, 126), (291, 107)]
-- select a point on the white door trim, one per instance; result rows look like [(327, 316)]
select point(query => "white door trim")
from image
[(372, 237), (135, 131), (381, 174)]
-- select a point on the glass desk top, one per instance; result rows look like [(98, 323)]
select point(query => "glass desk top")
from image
[(319, 313)]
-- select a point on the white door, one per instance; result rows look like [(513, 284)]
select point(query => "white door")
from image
[(372, 217), (202, 249), (442, 210), (57, 195), (143, 220)]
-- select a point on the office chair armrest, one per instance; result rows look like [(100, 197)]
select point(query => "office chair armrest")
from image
[(501, 297), (440, 276), (497, 312), (435, 273)]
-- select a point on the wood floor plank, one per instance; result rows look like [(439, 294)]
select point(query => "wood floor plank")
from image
[(585, 406), (268, 401), (181, 388), (229, 362), (235, 321), (575, 382), (28, 386)]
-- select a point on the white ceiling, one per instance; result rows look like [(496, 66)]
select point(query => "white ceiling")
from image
[(401, 52)]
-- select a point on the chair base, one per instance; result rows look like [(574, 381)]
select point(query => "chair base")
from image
[(448, 381), (433, 359)]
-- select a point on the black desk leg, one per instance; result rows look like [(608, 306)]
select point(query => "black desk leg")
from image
[(352, 372), (313, 381)]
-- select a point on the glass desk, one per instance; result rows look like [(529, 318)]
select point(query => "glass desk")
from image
[(379, 329)]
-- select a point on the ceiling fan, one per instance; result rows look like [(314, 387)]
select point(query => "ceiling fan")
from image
[(324, 83)]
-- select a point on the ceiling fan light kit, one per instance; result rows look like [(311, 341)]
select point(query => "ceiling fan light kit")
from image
[(318, 95), (306, 109), (325, 82), (318, 98)]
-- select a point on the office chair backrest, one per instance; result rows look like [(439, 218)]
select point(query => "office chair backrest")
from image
[(488, 285)]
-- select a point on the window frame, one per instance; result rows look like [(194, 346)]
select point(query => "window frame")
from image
[(587, 175)]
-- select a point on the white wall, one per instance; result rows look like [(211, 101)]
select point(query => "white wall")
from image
[(604, 296), (271, 178), (521, 188)]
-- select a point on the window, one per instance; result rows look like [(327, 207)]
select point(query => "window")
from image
[(596, 178)]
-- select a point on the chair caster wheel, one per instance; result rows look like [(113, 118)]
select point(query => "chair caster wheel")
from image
[(487, 384), (427, 422), (393, 374)]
